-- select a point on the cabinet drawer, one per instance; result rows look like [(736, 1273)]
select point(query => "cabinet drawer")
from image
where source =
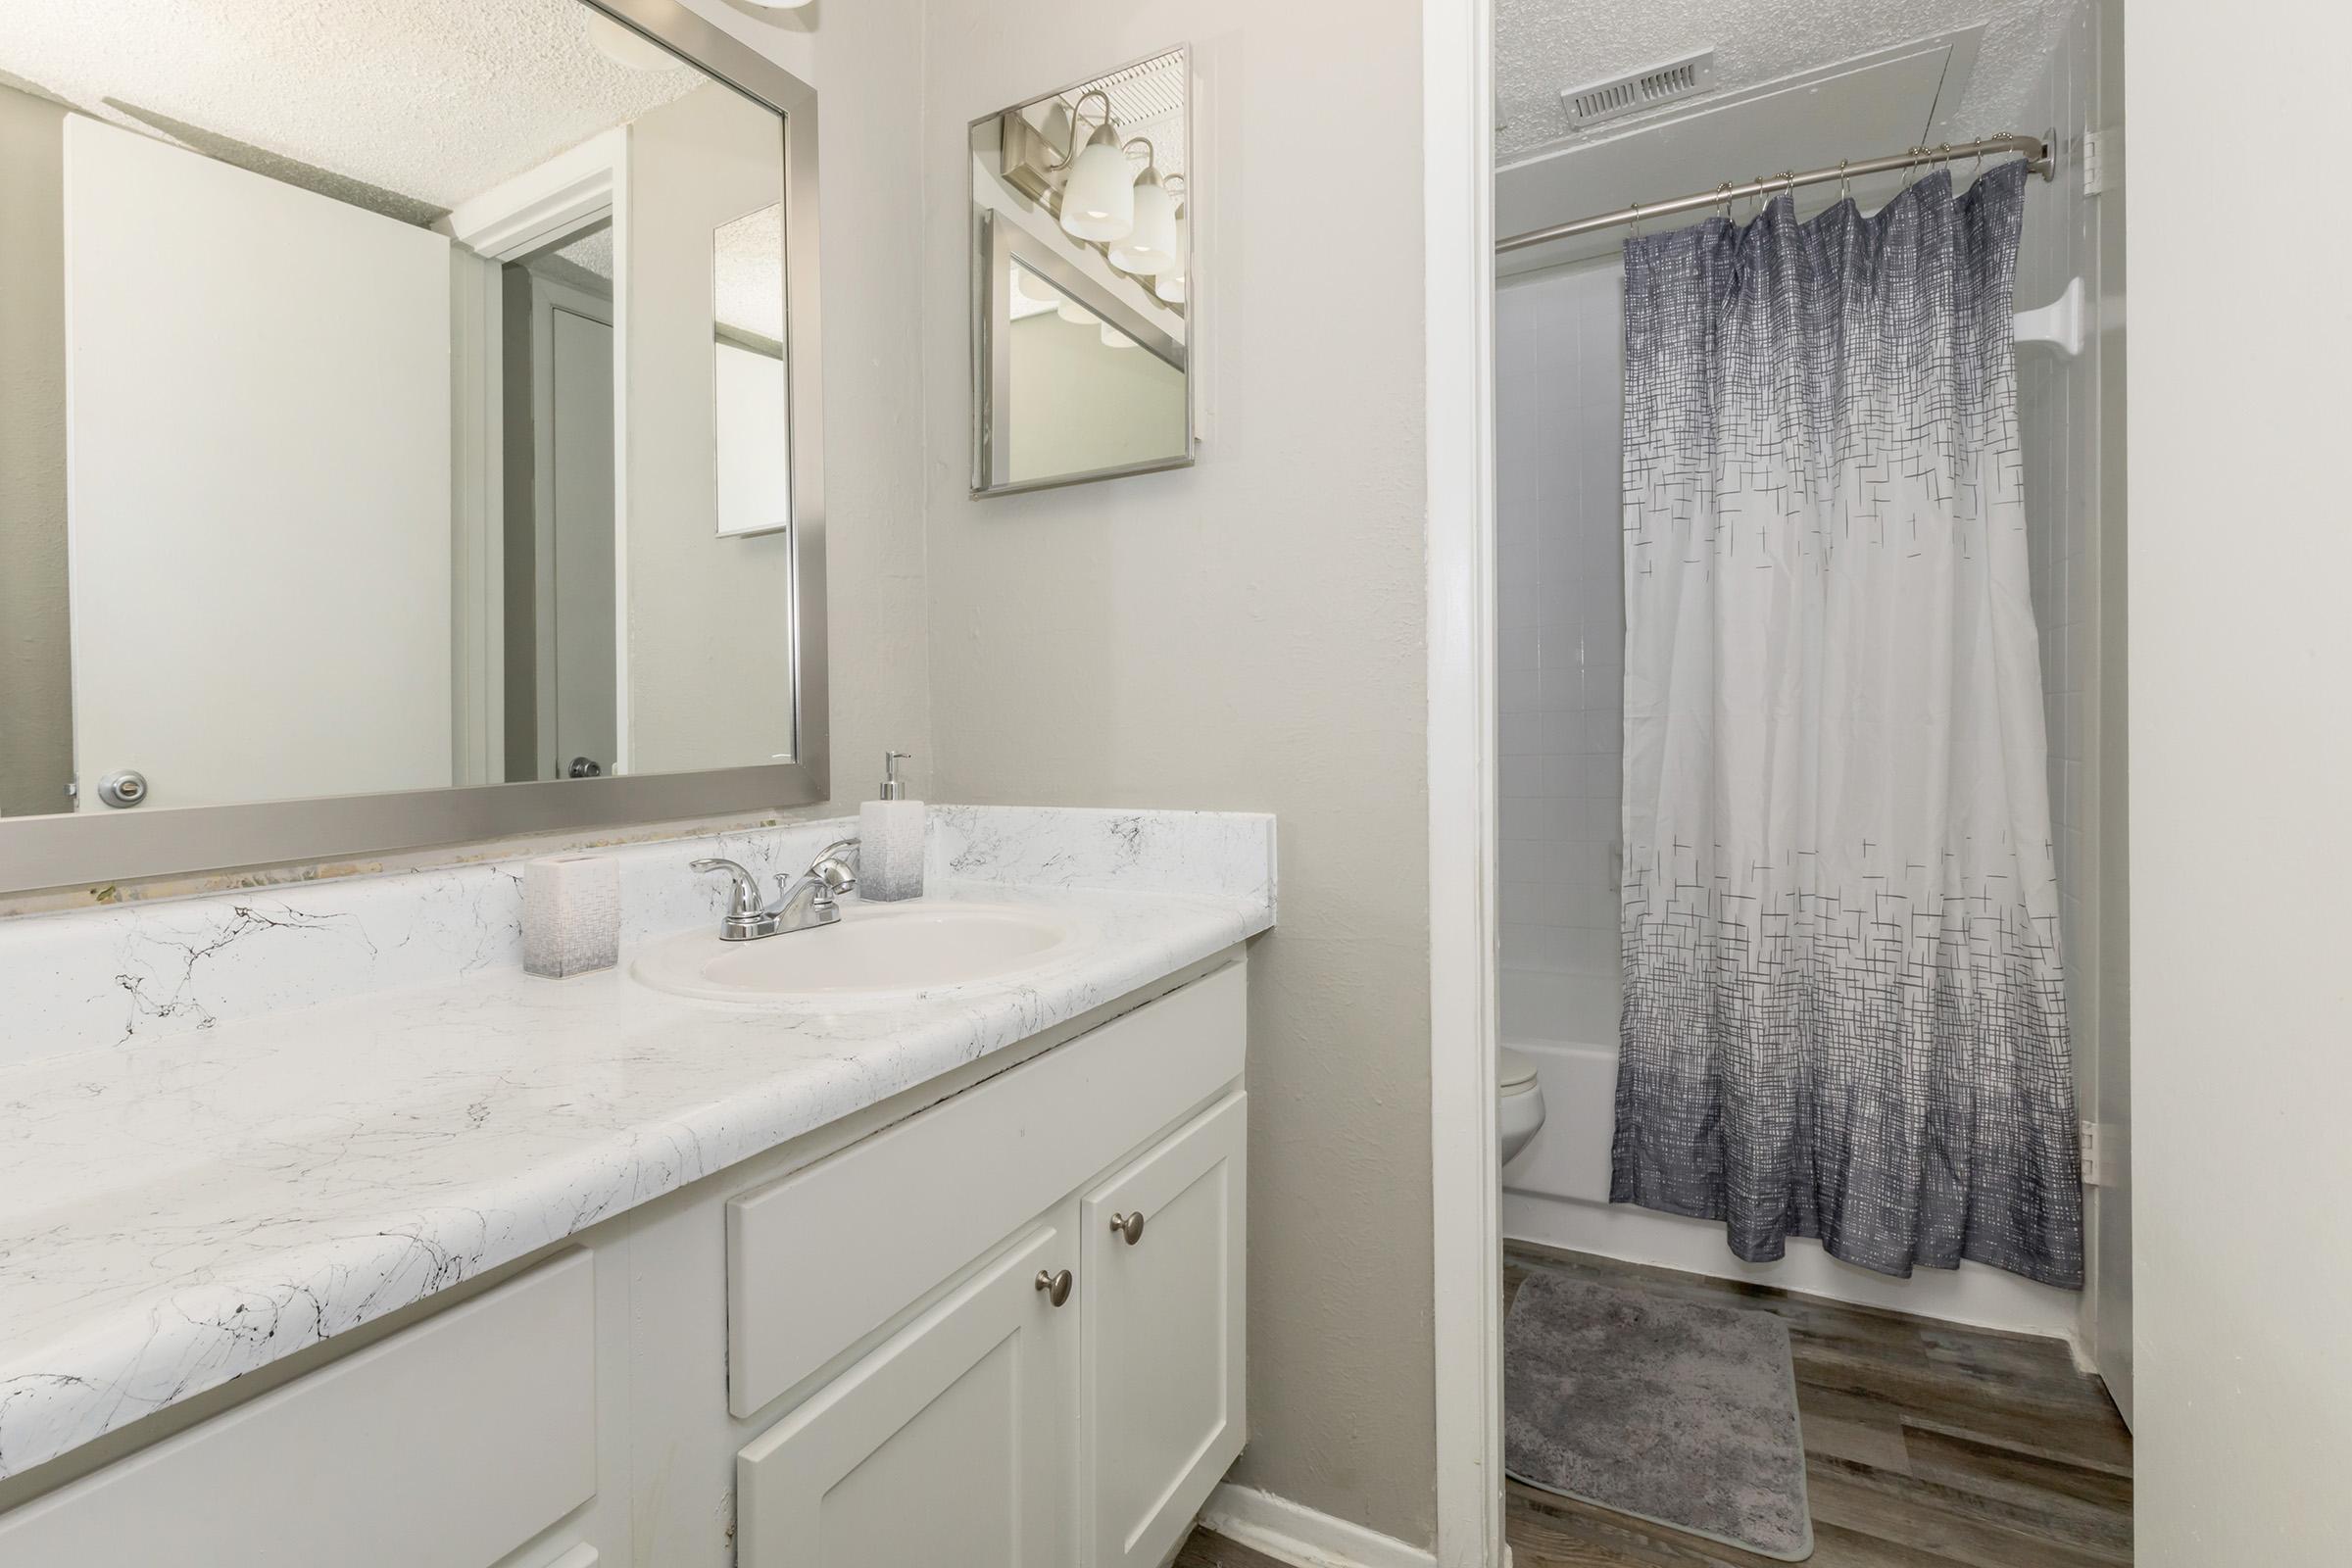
[(447, 1446), (917, 1201)]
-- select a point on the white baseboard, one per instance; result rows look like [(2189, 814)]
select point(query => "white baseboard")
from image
[(1294, 1534)]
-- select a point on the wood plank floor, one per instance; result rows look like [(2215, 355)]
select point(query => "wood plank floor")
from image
[(1927, 1446), (1208, 1551)]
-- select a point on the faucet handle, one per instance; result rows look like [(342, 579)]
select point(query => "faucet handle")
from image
[(743, 897), (838, 874)]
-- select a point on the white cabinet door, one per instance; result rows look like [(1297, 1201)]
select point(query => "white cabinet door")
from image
[(951, 1444), (1161, 1384)]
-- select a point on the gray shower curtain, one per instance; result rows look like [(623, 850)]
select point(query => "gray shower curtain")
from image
[(1845, 1016)]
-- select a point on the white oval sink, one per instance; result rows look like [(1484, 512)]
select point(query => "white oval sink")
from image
[(873, 952)]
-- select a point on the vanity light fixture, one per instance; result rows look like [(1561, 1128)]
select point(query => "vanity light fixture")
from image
[(1034, 290), (1169, 281), (1098, 203), (1150, 246), (779, 5), (1075, 314), (626, 47), (1113, 338)]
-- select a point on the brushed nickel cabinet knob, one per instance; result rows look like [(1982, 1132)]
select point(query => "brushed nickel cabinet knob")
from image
[(1130, 1226), (1055, 1285)]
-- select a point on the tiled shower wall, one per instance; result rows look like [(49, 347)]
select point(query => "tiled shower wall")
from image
[(1562, 614)]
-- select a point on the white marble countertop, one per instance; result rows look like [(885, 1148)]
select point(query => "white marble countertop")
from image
[(181, 1209)]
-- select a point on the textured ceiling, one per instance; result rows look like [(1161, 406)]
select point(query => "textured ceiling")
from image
[(1146, 100), (749, 268), (404, 106), (1542, 46)]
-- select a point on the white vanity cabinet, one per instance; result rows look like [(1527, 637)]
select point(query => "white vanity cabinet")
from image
[(449, 1445), (1071, 1395)]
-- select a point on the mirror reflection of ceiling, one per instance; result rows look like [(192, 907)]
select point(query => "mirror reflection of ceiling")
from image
[(1146, 100), (350, 98), (749, 265), (1543, 47)]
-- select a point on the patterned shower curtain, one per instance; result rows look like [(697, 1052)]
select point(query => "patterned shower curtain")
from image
[(1843, 1013)]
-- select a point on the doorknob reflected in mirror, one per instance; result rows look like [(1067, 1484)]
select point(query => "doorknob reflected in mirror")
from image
[(1056, 1286), (1130, 1226)]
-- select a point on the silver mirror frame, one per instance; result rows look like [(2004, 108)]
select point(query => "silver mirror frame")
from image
[(96, 847), (992, 244)]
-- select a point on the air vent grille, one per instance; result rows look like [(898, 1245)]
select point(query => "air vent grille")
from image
[(1638, 90)]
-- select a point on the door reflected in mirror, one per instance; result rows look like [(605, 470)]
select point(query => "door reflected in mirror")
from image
[(359, 438), (1081, 281)]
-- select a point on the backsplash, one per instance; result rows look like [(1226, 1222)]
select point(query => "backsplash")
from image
[(96, 977)]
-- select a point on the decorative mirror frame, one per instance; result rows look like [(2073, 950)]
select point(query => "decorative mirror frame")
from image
[(994, 244), (101, 847)]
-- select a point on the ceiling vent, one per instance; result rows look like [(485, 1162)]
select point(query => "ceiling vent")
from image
[(1639, 90)]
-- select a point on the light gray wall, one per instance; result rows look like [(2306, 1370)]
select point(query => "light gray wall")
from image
[(36, 678), (1243, 634), (870, 149), (2242, 997), (1078, 406), (705, 689)]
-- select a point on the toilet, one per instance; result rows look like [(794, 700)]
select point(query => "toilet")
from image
[(1520, 1111)]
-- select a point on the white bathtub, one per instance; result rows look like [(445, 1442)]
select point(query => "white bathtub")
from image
[(1567, 1025)]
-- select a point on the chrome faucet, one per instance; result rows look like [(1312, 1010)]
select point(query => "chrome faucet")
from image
[(803, 902)]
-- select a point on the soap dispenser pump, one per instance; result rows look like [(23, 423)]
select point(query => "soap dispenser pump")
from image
[(889, 839)]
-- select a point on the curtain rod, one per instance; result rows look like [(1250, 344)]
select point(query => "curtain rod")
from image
[(2035, 149)]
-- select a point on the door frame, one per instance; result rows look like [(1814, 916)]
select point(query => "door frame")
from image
[(1465, 1174), (536, 211), (549, 299)]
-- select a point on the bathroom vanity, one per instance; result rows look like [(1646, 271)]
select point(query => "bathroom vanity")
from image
[(529, 1273)]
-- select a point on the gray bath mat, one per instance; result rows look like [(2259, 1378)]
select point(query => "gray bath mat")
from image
[(1677, 1413)]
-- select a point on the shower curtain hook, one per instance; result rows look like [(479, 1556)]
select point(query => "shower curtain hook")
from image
[(1844, 191), (1723, 191), (1635, 208), (1915, 156)]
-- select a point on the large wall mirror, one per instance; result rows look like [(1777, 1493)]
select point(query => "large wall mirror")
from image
[(409, 429), (1081, 281)]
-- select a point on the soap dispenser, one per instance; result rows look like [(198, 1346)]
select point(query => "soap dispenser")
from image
[(889, 839)]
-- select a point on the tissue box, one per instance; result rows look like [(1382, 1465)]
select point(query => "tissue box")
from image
[(571, 915)]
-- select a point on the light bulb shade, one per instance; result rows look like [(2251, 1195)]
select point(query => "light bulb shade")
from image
[(1113, 338), (1170, 280), (1034, 289), (1099, 202), (1150, 246), (1075, 314)]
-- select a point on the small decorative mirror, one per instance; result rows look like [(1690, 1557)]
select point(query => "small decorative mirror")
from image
[(1081, 281)]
